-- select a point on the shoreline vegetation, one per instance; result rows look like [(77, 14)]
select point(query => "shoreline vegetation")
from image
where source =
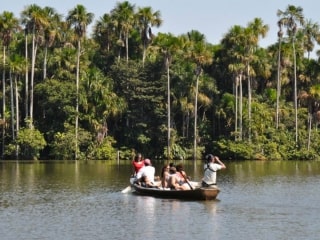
[(124, 89)]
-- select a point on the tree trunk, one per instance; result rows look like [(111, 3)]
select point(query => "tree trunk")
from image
[(127, 47), (309, 129), (169, 110), (12, 107), (236, 107), (77, 100), (26, 79), (33, 62), (17, 113), (295, 91), (278, 85), (249, 102), (45, 63), (240, 107), (3, 100), (195, 117)]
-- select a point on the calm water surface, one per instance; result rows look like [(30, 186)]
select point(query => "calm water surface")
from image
[(83, 200)]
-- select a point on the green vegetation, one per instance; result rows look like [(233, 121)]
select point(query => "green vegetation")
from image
[(67, 95)]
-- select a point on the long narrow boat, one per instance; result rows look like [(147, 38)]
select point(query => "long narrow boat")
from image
[(197, 193)]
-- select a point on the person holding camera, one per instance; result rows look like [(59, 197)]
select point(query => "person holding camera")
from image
[(212, 165)]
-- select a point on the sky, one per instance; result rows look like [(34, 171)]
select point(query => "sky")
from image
[(210, 17)]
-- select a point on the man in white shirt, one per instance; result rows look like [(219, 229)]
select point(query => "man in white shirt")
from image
[(146, 174), (211, 167)]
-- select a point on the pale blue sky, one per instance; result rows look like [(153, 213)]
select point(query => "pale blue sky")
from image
[(210, 17)]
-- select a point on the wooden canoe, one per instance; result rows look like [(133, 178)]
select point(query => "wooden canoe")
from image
[(197, 193)]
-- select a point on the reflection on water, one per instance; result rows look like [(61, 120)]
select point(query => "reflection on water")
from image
[(83, 200)]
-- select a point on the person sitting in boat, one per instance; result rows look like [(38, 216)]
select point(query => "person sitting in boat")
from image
[(165, 176), (137, 164), (145, 175), (178, 179), (181, 172), (212, 165)]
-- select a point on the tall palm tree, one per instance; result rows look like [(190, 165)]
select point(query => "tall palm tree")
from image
[(17, 67), (291, 17), (17, 64), (123, 19), (199, 53), (79, 19), (51, 31), (233, 42), (103, 31), (312, 34), (168, 46), (244, 44), (254, 31), (146, 19), (237, 70), (280, 36), (35, 21), (8, 26)]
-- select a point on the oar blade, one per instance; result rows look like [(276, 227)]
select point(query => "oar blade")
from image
[(126, 190)]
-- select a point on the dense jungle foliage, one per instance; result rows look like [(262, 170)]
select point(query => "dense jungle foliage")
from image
[(124, 89)]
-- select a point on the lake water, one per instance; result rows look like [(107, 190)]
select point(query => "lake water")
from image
[(83, 200)]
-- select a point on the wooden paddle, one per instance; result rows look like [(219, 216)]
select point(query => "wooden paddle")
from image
[(186, 180), (126, 190)]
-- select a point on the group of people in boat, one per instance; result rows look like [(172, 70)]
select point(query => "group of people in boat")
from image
[(173, 177)]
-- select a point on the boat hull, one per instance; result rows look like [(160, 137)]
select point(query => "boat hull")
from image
[(198, 193)]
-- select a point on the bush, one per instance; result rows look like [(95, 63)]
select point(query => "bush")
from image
[(104, 151), (30, 142)]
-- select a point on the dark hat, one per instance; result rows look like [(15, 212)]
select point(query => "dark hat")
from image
[(209, 157)]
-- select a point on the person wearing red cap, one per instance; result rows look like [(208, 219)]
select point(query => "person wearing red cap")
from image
[(145, 175)]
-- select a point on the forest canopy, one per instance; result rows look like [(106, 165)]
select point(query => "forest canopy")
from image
[(123, 89)]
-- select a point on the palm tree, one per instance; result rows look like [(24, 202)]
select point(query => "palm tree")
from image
[(233, 43), (50, 33), (280, 36), (168, 45), (103, 31), (244, 44), (123, 19), (79, 19), (312, 33), (291, 17), (17, 64), (236, 69), (35, 21), (200, 55), (8, 26), (146, 19), (254, 31)]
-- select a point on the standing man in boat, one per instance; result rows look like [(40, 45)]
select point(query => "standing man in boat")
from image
[(212, 165)]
